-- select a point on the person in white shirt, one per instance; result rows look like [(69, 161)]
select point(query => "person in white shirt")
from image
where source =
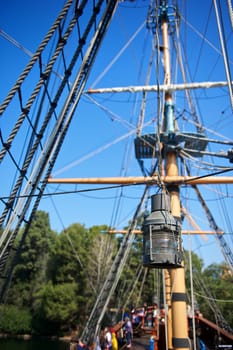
[(108, 339)]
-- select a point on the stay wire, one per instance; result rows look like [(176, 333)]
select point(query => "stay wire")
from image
[(224, 49), (230, 10)]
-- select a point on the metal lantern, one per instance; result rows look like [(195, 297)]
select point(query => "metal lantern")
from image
[(161, 235)]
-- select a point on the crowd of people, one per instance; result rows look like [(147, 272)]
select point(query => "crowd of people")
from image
[(147, 316), (115, 338), (110, 338), (120, 336)]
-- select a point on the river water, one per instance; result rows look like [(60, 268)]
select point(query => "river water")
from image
[(32, 344)]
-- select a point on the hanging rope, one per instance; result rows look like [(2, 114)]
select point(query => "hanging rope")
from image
[(224, 51), (142, 286), (192, 290), (230, 10)]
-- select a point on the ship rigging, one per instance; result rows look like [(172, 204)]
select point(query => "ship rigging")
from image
[(174, 149)]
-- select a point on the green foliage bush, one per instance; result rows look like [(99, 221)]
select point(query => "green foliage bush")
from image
[(14, 320)]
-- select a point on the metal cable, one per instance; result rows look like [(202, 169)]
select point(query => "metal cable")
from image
[(224, 52), (230, 10)]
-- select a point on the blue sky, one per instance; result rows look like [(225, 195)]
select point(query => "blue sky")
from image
[(84, 152)]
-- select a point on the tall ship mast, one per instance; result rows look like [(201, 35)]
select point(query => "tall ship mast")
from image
[(152, 129)]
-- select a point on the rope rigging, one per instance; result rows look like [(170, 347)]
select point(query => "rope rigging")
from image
[(227, 253), (37, 54), (37, 180), (220, 320)]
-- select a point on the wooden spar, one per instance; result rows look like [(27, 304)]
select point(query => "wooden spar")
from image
[(184, 232), (153, 180), (154, 88)]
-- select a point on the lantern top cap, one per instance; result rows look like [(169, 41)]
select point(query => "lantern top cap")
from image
[(160, 202)]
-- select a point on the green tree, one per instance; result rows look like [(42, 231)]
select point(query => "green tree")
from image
[(32, 268), (56, 307), (102, 251), (218, 281), (70, 255), (14, 320), (193, 274), (212, 288), (70, 262)]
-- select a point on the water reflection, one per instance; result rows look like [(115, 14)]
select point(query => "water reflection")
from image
[(33, 344)]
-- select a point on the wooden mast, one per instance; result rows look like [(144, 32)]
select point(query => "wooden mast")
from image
[(168, 171), (176, 291)]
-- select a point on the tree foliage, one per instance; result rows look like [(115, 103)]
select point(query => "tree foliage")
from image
[(15, 320), (58, 277), (218, 280), (54, 307), (212, 289)]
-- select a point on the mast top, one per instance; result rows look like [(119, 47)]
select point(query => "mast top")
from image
[(163, 13)]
